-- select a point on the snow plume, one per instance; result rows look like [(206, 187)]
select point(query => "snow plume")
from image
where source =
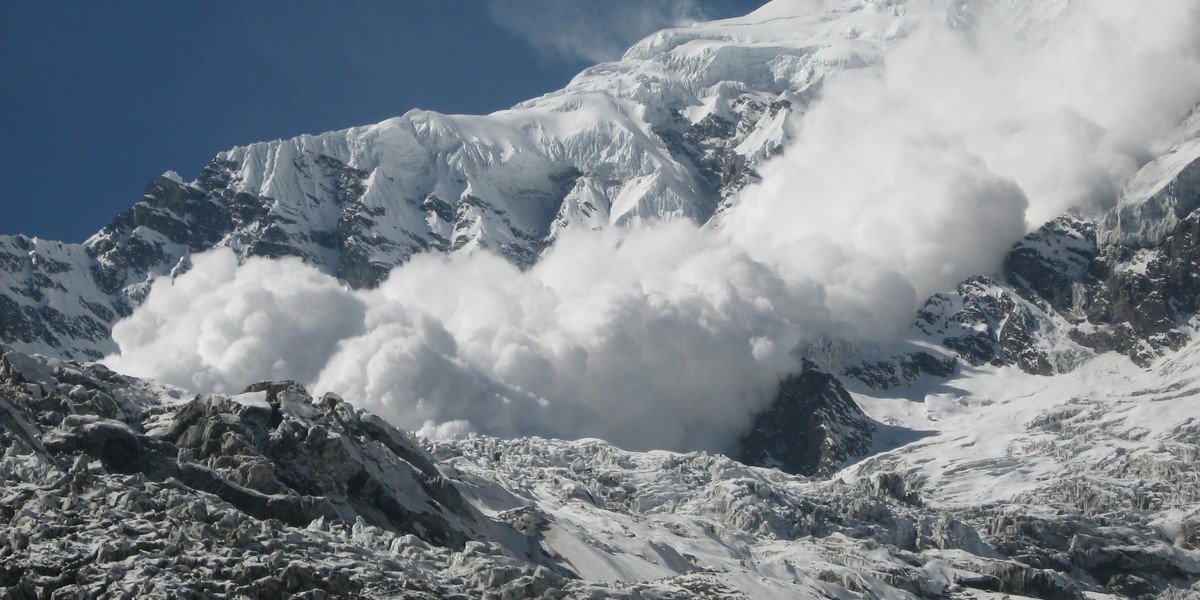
[(901, 179), (600, 31), (661, 338), (986, 121), (221, 326)]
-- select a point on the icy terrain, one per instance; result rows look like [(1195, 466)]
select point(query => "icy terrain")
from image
[(1078, 486)]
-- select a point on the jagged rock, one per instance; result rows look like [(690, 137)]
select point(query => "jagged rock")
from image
[(1052, 264), (811, 428), (1160, 196), (900, 370), (137, 489), (1062, 296), (984, 322), (186, 478), (272, 454)]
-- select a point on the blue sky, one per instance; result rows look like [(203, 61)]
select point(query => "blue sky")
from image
[(99, 98)]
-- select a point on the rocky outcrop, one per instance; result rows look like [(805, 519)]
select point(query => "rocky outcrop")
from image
[(901, 369), (811, 428), (213, 494), (271, 451), (1145, 297), (52, 296), (1062, 296)]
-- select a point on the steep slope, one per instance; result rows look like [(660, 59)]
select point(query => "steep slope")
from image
[(673, 130), (1077, 287)]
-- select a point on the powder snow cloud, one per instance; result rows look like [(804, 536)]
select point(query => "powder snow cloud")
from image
[(902, 179), (663, 337), (596, 31)]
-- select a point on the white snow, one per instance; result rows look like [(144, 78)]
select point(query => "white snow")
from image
[(999, 433), (1147, 211)]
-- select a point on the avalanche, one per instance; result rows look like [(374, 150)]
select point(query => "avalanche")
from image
[(930, 265)]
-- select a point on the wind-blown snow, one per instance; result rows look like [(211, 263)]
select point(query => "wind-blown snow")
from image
[(592, 31), (937, 134)]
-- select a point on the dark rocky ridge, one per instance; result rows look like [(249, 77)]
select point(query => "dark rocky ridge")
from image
[(1058, 285), (1060, 296), (271, 452), (811, 428)]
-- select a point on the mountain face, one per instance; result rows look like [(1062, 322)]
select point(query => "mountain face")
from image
[(1032, 434), (811, 428), (670, 131), (673, 130)]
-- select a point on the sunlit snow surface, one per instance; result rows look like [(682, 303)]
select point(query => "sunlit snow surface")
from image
[(1108, 441), (1001, 435)]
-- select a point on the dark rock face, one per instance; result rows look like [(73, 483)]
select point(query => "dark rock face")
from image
[(1059, 288), (708, 147), (985, 322), (174, 218), (37, 310), (1050, 263), (1145, 296), (811, 428), (900, 370)]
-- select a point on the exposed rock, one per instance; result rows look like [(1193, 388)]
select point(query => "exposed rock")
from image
[(811, 428), (1162, 195), (900, 370)]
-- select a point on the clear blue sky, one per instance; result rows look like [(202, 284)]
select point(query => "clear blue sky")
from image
[(99, 98)]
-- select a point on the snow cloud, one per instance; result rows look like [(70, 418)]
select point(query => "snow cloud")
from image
[(221, 325), (600, 31), (653, 338), (987, 120), (901, 180)]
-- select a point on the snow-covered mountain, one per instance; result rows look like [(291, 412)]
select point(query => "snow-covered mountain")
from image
[(1031, 434), (673, 130), (670, 131)]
